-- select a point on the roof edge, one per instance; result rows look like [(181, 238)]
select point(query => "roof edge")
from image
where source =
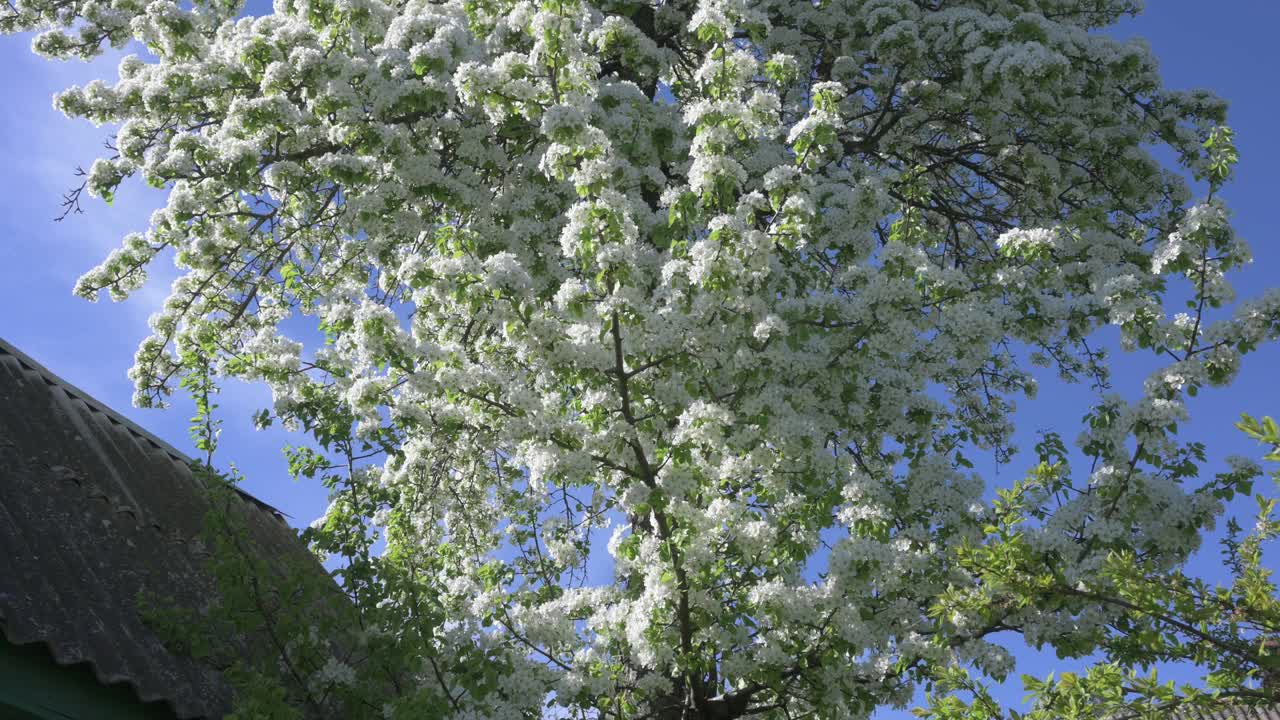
[(159, 443)]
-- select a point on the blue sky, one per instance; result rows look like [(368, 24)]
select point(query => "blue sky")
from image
[(1228, 46)]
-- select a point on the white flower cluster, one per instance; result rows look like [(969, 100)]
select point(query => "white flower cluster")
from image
[(694, 277)]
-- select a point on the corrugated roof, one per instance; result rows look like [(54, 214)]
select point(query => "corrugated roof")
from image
[(1234, 713), (94, 510)]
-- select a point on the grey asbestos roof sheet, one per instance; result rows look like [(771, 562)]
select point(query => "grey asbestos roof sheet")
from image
[(1236, 713), (93, 511)]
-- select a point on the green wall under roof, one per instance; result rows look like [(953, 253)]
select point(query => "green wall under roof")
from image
[(34, 687)]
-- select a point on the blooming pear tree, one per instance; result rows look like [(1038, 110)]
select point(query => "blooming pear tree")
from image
[(654, 336)]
